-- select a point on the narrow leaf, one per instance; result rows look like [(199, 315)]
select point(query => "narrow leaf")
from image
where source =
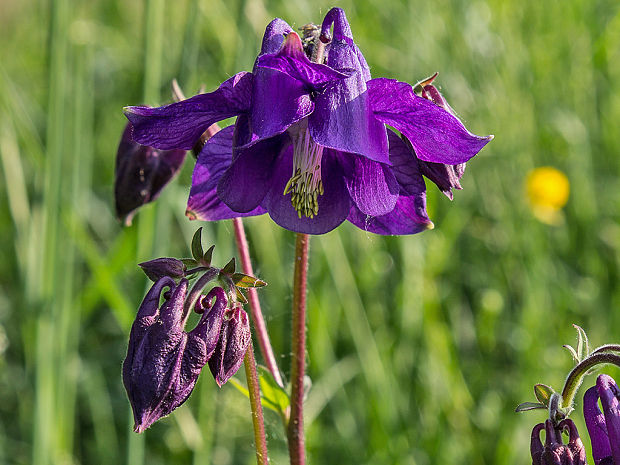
[(235, 382), (525, 406), (273, 396), (583, 343), (229, 268), (572, 352), (244, 280), (189, 262), (208, 256), (240, 297), (543, 393), (197, 251)]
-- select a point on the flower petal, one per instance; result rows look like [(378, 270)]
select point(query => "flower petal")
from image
[(405, 166), (408, 217), (141, 173), (334, 204), (275, 32), (214, 159), (436, 135), (595, 422), (179, 125), (343, 118), (292, 61), (372, 186), (610, 401), (445, 177), (247, 180)]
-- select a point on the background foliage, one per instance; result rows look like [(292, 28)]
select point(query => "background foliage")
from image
[(419, 347)]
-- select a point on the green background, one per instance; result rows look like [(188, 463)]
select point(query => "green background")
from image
[(420, 347)]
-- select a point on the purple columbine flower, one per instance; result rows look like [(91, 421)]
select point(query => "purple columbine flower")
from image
[(163, 361), (555, 452), (603, 427), (310, 145), (141, 173), (232, 345)]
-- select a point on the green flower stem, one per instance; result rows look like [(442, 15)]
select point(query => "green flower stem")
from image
[(255, 404), (260, 329), (606, 348), (575, 377), (295, 431)]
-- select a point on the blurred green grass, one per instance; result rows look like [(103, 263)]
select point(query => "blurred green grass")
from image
[(419, 347)]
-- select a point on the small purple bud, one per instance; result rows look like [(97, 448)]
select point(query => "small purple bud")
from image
[(161, 267), (141, 173), (231, 347), (163, 361), (555, 452)]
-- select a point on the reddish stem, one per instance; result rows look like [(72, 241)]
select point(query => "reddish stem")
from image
[(298, 362), (260, 329), (257, 408)]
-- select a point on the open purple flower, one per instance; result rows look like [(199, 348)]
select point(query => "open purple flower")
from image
[(603, 427), (310, 145), (163, 361)]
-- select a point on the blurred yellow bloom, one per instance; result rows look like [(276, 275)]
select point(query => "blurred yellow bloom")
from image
[(547, 191)]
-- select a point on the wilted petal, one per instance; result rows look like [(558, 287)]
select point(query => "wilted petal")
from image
[(232, 345), (202, 340), (371, 185), (536, 447), (334, 204), (213, 161), (141, 173), (245, 183), (575, 445), (160, 267), (343, 117), (595, 422), (435, 134), (610, 401), (179, 125)]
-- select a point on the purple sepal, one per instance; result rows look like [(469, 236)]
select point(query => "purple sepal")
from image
[(180, 125), (231, 347), (610, 401), (595, 422), (163, 361), (342, 118), (160, 267), (435, 134), (141, 173), (214, 159)]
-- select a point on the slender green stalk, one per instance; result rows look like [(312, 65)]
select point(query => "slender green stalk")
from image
[(260, 329), (257, 409), (295, 431), (575, 377)]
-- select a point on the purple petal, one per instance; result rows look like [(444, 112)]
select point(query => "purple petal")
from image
[(343, 118), (208, 328), (292, 61), (408, 217), (445, 177), (274, 35), (213, 161), (610, 401), (180, 125), (536, 447), (160, 267), (141, 173), (172, 311), (244, 184), (334, 204), (435, 134), (372, 186), (405, 166), (595, 422)]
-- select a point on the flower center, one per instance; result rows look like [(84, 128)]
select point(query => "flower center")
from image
[(305, 184)]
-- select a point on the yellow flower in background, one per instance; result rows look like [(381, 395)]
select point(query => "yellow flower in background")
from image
[(547, 191)]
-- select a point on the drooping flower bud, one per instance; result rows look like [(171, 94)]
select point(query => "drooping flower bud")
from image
[(603, 427), (141, 173), (231, 348), (163, 361), (555, 452), (160, 267)]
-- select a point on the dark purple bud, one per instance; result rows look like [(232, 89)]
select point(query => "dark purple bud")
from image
[(603, 427), (161, 267), (163, 361), (141, 173), (231, 347), (555, 452)]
